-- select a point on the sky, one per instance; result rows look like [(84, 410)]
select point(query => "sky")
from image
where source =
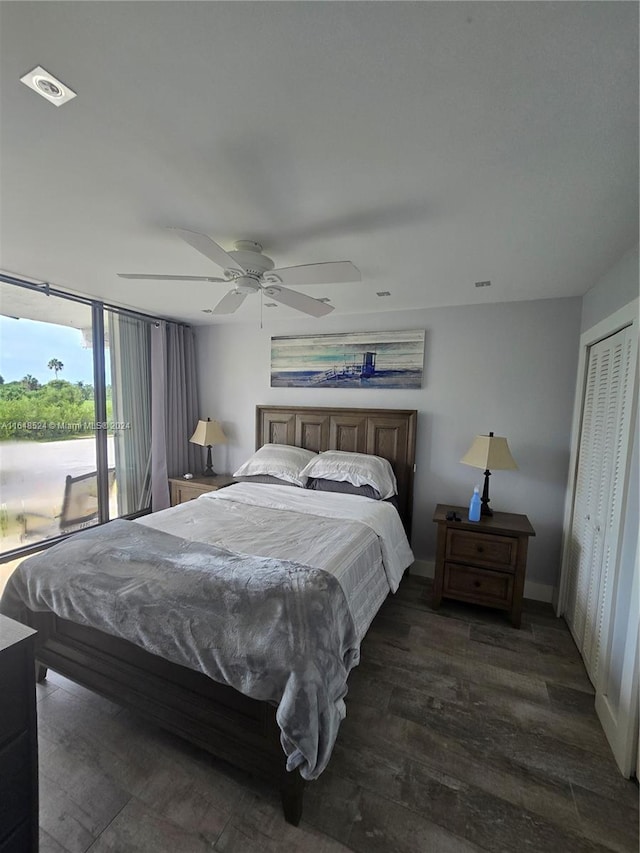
[(26, 347)]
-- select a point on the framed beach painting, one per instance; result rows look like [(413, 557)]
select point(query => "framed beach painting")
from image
[(348, 360)]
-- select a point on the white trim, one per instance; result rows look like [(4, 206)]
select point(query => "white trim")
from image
[(625, 316), (539, 591), (532, 589), (424, 568), (620, 725)]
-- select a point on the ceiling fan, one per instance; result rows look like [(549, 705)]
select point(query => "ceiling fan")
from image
[(249, 271)]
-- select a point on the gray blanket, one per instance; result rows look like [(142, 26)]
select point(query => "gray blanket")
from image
[(274, 630)]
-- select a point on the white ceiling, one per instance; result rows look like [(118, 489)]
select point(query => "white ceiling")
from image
[(432, 144)]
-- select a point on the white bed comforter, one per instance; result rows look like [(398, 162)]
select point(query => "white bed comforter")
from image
[(256, 615), (360, 541)]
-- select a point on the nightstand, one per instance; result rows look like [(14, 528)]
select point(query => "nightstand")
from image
[(186, 490), (482, 562)]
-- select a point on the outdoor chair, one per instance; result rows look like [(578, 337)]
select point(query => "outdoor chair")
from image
[(79, 508)]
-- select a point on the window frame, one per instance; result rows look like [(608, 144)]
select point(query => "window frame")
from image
[(98, 308)]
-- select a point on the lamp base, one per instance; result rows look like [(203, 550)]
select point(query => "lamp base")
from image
[(208, 471), (485, 509)]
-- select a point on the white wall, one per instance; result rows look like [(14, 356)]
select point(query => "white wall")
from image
[(615, 289), (507, 367)]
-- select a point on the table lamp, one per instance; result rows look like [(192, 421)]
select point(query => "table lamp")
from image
[(206, 434), (489, 451)]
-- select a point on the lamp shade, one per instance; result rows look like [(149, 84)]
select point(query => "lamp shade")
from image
[(490, 452), (207, 433)]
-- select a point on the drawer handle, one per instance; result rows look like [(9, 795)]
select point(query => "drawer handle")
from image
[(476, 583), (480, 549)]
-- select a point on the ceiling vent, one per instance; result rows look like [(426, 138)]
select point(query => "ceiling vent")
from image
[(48, 86), (483, 284)]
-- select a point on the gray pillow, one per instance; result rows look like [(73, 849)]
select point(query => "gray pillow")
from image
[(265, 478), (342, 486)]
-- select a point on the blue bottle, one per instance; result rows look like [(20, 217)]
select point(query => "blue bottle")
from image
[(474, 505)]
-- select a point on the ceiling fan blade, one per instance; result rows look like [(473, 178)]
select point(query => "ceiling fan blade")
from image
[(299, 301), (169, 277), (210, 249), (230, 302), (328, 273)]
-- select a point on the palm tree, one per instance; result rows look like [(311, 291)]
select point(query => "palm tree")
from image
[(56, 365), (30, 382)]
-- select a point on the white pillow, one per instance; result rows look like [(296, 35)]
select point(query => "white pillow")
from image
[(360, 469), (278, 460)]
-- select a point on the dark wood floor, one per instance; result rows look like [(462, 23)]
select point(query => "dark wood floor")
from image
[(462, 734)]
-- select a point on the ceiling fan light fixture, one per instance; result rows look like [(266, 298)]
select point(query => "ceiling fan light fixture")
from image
[(246, 284), (45, 84)]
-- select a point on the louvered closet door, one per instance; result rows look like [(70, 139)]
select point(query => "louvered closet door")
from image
[(596, 514)]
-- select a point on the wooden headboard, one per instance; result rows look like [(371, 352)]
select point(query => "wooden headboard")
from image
[(390, 433)]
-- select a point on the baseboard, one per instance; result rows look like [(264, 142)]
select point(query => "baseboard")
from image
[(532, 589), (423, 568), (539, 591)]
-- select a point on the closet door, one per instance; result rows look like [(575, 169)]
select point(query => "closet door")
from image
[(598, 493), (584, 541)]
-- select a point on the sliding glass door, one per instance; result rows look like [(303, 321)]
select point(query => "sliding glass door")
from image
[(47, 444), (62, 468)]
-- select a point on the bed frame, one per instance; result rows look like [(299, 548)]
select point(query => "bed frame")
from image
[(213, 716)]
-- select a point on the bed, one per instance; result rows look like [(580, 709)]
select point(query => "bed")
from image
[(216, 716)]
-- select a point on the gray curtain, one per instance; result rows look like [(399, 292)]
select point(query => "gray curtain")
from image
[(129, 348), (174, 407)]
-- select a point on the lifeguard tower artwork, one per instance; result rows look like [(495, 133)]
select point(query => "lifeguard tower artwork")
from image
[(354, 360)]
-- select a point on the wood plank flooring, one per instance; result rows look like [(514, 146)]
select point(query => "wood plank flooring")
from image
[(462, 734)]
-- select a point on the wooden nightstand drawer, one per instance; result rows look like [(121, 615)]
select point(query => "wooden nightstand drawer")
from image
[(183, 492), (480, 586), (465, 546), (188, 490)]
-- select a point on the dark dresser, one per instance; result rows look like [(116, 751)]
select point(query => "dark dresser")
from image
[(18, 739)]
